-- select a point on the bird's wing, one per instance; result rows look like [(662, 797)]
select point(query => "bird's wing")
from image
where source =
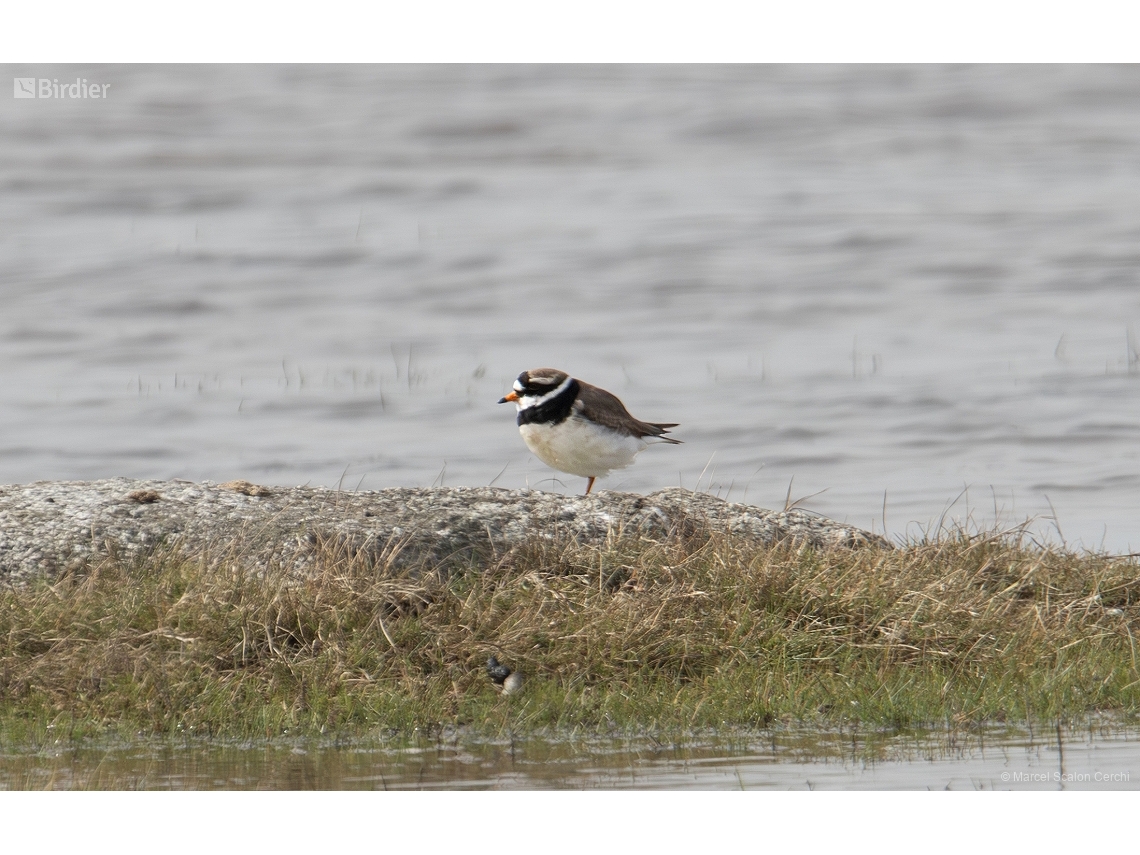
[(605, 409)]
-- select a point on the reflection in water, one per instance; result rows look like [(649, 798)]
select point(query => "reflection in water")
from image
[(780, 759)]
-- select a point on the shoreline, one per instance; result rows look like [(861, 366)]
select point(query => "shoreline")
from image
[(665, 613)]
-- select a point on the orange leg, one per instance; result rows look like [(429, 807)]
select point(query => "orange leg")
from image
[(589, 485)]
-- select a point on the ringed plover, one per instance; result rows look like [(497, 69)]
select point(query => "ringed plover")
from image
[(578, 428)]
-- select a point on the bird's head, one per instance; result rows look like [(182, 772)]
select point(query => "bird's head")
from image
[(532, 387)]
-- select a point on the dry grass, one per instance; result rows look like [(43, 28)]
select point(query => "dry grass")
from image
[(699, 632)]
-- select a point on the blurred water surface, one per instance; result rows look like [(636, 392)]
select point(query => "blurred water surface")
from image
[(1100, 757), (899, 291)]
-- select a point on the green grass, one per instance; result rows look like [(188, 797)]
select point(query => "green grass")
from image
[(700, 632)]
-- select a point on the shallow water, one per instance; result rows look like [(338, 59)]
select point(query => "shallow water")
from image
[(908, 293), (1000, 759)]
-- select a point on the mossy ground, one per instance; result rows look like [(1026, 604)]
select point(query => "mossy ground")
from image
[(700, 632)]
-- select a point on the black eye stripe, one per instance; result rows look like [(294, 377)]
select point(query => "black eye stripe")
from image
[(552, 411)]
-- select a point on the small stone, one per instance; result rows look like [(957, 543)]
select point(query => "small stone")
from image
[(502, 676), (497, 671)]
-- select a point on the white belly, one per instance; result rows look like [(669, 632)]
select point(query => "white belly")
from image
[(580, 447)]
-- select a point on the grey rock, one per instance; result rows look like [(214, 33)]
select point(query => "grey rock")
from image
[(497, 671), (51, 526), (511, 682)]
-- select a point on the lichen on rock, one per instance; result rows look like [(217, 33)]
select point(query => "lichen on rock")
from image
[(51, 526)]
